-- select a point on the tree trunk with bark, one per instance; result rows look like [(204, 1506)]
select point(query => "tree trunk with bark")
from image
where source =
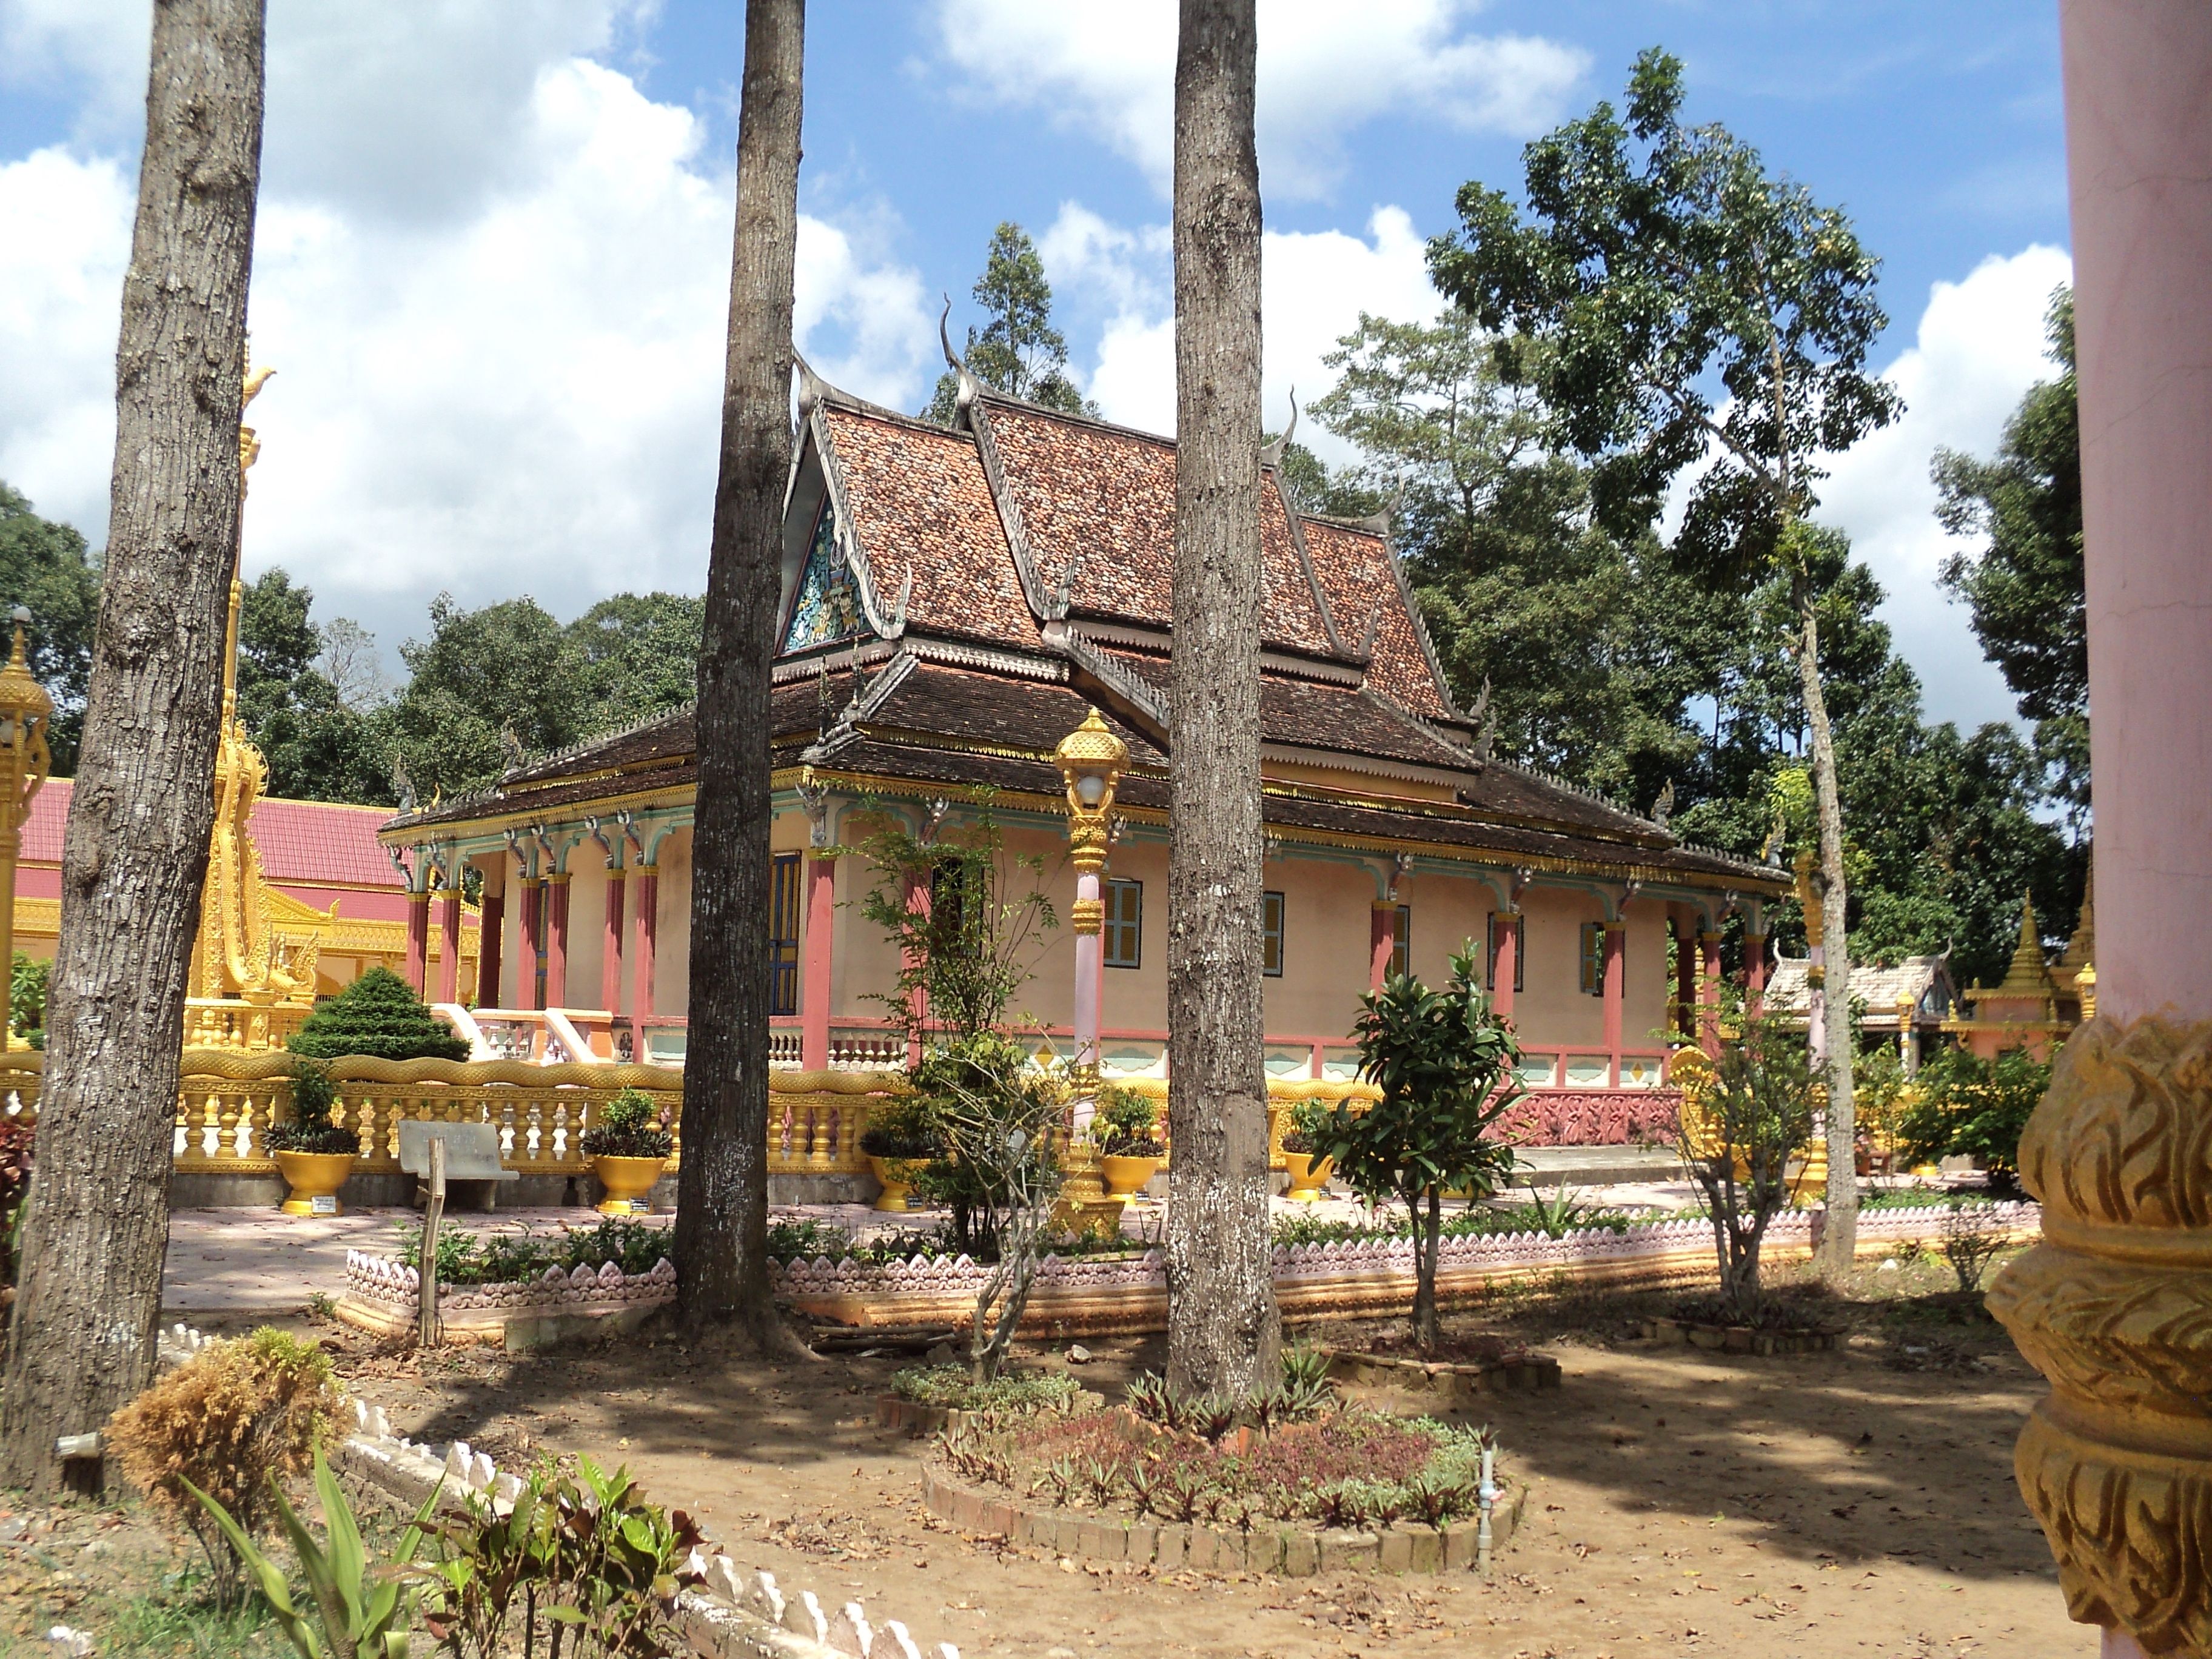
[(1839, 1235), (1223, 1335), (721, 1206), (135, 852)]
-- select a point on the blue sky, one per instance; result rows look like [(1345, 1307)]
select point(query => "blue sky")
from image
[(494, 247)]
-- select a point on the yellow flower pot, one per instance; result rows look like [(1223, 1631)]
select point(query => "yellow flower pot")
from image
[(1126, 1176), (314, 1178), (897, 1174), (1307, 1173), (627, 1180)]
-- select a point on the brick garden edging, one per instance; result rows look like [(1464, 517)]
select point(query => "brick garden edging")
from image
[(1289, 1551), (1737, 1338), (1512, 1373)]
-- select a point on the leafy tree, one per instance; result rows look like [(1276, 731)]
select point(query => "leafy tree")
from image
[(44, 566), (1017, 351), (1447, 1066), (2023, 585), (1691, 309), (641, 654), (1966, 1106), (508, 666), (317, 746), (1742, 1121)]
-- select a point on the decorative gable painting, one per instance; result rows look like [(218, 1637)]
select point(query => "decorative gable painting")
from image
[(827, 607)]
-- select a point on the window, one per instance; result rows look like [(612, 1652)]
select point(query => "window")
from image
[(1500, 927), (784, 885), (1124, 923), (1401, 941), (1593, 959), (1271, 934)]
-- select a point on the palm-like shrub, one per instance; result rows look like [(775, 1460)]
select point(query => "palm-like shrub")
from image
[(380, 1015), (628, 1127)]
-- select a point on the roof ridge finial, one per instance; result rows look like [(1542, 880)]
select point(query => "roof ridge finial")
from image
[(969, 384), (1271, 454)]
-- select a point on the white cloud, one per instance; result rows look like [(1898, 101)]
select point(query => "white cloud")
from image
[(1325, 68), (1978, 347), (1313, 287), (516, 389), (100, 45)]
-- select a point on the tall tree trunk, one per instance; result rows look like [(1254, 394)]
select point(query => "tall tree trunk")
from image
[(1839, 1235), (136, 848), (1223, 1331), (722, 1206)]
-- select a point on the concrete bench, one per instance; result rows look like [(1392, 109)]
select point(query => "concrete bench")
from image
[(471, 1155)]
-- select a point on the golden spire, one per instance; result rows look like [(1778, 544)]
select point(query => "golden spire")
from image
[(2027, 976)]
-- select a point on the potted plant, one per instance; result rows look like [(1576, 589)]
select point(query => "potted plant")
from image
[(1302, 1161), (314, 1154), (629, 1150), (901, 1132), (1130, 1151)]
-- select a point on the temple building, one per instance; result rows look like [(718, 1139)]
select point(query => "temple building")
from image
[(955, 602)]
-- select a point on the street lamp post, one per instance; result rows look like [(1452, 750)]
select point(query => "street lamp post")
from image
[(25, 712), (1092, 762)]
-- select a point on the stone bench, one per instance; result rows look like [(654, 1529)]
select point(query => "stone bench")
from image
[(471, 1157)]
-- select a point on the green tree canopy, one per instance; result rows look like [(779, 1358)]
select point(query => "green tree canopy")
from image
[(2024, 583), (1018, 350), (46, 568)]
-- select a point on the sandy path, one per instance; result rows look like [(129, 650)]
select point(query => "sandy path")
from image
[(1680, 1503)]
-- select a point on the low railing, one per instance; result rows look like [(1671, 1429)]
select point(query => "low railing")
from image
[(229, 1023)]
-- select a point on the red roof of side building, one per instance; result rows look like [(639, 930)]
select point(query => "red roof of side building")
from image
[(304, 843), (1356, 572)]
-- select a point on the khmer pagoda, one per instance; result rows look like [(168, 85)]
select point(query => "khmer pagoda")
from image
[(955, 602)]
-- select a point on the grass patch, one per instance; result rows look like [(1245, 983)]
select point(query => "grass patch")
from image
[(948, 1386)]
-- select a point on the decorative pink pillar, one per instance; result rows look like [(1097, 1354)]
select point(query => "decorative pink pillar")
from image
[(1709, 992), (490, 936), (1686, 981), (2117, 1462), (449, 945), (611, 944), (648, 934), (1382, 943), (1508, 963), (418, 939), (1089, 919), (1616, 989), (821, 935), (530, 972), (917, 904), (556, 940)]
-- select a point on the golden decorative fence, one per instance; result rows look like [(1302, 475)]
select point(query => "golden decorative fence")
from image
[(227, 1100)]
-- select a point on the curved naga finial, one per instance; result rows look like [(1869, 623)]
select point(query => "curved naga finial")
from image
[(969, 384), (1271, 454), (811, 385), (1379, 522)]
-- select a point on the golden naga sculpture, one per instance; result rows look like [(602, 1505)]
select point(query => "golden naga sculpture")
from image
[(239, 954), (2114, 1307)]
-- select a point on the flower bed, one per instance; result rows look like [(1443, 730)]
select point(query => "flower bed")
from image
[(382, 1294), (1339, 1486), (925, 1399)]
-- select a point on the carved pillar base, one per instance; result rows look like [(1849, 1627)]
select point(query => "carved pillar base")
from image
[(2115, 1308)]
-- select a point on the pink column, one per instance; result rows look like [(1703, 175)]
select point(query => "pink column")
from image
[(490, 937), (530, 972), (1090, 957), (556, 940), (1509, 959), (917, 904), (648, 934), (1616, 987), (449, 946), (418, 939), (1755, 971), (2139, 135), (821, 934), (1381, 942), (1709, 992), (611, 944), (1685, 981)]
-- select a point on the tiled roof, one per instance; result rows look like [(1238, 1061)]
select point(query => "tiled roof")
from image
[(1356, 574), (1102, 498), (968, 707), (319, 842), (919, 502), (1880, 989)]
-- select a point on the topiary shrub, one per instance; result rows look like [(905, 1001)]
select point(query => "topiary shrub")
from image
[(628, 1127), (311, 1130), (378, 1014), (227, 1419)]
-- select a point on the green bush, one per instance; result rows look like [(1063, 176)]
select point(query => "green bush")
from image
[(465, 1258), (629, 1127), (904, 1127), (1970, 1107), (378, 1014), (311, 1130), (1129, 1124), (950, 1385), (27, 983)]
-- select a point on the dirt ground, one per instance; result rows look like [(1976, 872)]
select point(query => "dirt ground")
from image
[(1853, 1502)]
